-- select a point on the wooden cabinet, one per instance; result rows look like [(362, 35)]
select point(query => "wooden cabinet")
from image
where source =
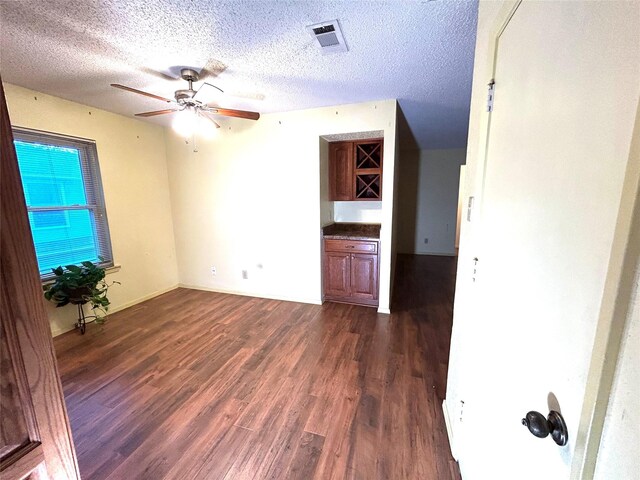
[(355, 170), (341, 171), (351, 271), (364, 276), (337, 274)]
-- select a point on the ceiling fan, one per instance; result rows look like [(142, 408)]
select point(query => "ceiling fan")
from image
[(186, 100)]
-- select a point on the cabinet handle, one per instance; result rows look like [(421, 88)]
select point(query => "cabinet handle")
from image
[(350, 246)]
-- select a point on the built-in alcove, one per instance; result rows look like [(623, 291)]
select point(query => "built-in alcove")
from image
[(364, 211)]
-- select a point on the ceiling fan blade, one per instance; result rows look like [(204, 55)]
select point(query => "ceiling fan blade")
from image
[(210, 118), (154, 113), (207, 92), (162, 74), (212, 69), (140, 92), (228, 112)]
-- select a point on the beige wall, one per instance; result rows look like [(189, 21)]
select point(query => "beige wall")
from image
[(134, 176), (251, 200), (428, 202), (619, 455)]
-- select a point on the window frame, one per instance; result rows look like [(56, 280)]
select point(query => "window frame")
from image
[(92, 183)]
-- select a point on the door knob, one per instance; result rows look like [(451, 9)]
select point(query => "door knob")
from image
[(541, 427)]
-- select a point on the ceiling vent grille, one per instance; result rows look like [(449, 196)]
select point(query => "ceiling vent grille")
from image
[(329, 36)]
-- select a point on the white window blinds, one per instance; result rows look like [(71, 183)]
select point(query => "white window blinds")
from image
[(65, 203)]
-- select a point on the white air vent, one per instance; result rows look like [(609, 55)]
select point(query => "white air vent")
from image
[(329, 36)]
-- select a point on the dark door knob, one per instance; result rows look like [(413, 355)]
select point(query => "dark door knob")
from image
[(541, 427)]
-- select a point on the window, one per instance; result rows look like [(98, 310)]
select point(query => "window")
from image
[(61, 181)]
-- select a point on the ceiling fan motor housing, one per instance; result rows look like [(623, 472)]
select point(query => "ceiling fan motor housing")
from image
[(189, 75), (185, 97)]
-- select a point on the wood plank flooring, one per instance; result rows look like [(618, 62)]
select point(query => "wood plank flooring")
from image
[(201, 385)]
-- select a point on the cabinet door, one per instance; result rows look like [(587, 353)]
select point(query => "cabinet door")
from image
[(337, 274), (364, 276), (341, 171)]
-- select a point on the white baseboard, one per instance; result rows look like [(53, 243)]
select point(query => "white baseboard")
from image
[(447, 422), (59, 331), (436, 254), (386, 311), (142, 299), (284, 298)]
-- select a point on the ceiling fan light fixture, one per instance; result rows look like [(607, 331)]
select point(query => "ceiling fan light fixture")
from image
[(185, 122)]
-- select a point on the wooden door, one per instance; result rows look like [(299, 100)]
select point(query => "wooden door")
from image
[(341, 171), (364, 276), (566, 93), (35, 437), (337, 276)]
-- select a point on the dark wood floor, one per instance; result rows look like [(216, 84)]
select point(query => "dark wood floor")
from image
[(196, 384)]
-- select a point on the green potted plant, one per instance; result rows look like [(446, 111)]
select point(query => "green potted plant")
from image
[(79, 285)]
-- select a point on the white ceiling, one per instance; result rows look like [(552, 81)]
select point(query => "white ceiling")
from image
[(420, 52)]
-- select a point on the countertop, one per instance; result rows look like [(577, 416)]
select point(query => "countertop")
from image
[(352, 231)]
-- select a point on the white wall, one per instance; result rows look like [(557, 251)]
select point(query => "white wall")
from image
[(357, 212), (428, 205), (136, 188), (251, 200), (619, 455), (462, 204)]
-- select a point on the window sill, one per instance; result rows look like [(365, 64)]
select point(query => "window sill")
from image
[(108, 271), (113, 269)]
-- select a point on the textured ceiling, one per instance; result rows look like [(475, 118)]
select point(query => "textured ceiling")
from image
[(419, 52)]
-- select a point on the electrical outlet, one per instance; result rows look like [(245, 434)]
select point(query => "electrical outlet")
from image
[(245, 274), (426, 240), (214, 272)]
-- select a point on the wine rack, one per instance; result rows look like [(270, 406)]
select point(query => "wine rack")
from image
[(368, 170)]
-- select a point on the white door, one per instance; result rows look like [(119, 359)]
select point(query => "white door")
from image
[(567, 80)]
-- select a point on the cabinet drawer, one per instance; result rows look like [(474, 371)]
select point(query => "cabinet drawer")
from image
[(350, 246)]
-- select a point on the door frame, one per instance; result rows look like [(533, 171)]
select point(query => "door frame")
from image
[(612, 320), (619, 283)]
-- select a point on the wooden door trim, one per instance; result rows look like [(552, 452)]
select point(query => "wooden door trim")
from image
[(23, 312), (23, 462)]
